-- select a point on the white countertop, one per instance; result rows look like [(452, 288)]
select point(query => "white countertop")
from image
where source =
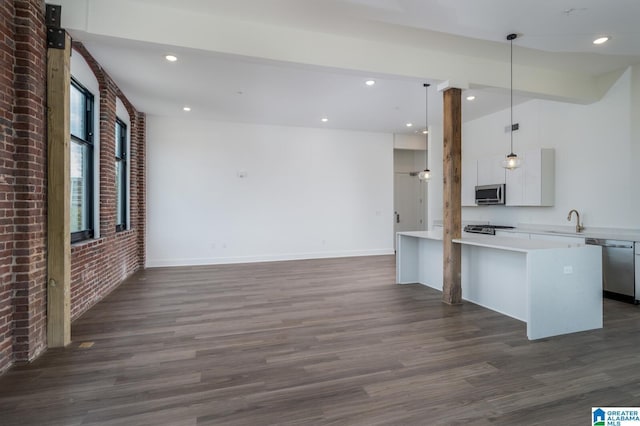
[(569, 231), (427, 235), (525, 244), (602, 233), (513, 244)]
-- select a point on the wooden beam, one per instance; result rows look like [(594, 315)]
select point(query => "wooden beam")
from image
[(452, 173), (59, 200)]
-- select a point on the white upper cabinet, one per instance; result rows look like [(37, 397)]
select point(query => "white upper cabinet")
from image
[(533, 183), (469, 182), (490, 171)]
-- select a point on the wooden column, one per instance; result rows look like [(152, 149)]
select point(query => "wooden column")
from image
[(58, 193), (452, 174)]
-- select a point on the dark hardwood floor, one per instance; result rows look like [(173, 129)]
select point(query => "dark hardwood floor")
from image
[(332, 342)]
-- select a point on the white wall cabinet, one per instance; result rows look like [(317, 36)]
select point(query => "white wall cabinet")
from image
[(490, 171), (533, 183), (469, 182)]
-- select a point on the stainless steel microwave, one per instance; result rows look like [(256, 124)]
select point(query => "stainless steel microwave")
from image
[(490, 194)]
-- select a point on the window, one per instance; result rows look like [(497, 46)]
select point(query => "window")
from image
[(121, 176), (81, 163)]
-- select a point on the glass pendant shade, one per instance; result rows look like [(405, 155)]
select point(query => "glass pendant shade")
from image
[(511, 162), (424, 175)]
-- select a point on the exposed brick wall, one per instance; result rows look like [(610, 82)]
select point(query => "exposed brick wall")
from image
[(30, 156), (99, 265), (22, 181), (7, 213), (139, 190)]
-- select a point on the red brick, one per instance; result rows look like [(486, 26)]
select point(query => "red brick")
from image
[(99, 265)]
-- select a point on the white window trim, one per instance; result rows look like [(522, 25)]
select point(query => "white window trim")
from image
[(82, 73)]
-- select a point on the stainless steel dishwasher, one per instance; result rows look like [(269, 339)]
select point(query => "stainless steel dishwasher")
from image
[(618, 269)]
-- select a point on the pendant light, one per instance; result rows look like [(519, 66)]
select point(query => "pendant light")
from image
[(511, 161), (425, 175)]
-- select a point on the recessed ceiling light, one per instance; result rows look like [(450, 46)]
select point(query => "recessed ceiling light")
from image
[(409, 124), (370, 82), (324, 119), (601, 40), (470, 97), (187, 108), (171, 58), (425, 131)]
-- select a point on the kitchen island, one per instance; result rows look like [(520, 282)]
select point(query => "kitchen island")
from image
[(555, 287)]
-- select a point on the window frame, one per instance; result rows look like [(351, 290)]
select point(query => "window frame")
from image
[(88, 142), (122, 160)]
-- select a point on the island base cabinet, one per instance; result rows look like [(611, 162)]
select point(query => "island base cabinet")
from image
[(637, 262), (554, 287), (553, 291), (499, 289), (564, 291), (419, 260)]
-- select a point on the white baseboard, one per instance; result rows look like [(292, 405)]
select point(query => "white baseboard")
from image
[(159, 263)]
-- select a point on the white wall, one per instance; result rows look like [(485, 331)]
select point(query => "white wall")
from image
[(408, 160), (435, 193), (413, 142), (594, 158), (307, 193)]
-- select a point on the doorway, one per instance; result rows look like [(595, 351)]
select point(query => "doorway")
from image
[(409, 194)]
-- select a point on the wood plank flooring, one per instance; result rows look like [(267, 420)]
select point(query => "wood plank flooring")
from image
[(316, 342)]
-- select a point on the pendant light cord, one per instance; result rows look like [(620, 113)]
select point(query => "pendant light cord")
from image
[(426, 128), (511, 128), (511, 37)]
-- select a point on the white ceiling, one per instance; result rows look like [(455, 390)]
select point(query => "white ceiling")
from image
[(567, 26), (239, 89), (233, 88)]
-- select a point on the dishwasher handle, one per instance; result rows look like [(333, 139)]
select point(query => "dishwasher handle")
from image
[(623, 246), (603, 243)]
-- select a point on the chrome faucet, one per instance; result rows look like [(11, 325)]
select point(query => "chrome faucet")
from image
[(579, 227)]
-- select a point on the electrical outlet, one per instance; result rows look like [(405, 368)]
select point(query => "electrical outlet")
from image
[(568, 269)]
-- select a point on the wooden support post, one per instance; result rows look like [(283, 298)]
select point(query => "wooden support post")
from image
[(59, 199), (452, 173)]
